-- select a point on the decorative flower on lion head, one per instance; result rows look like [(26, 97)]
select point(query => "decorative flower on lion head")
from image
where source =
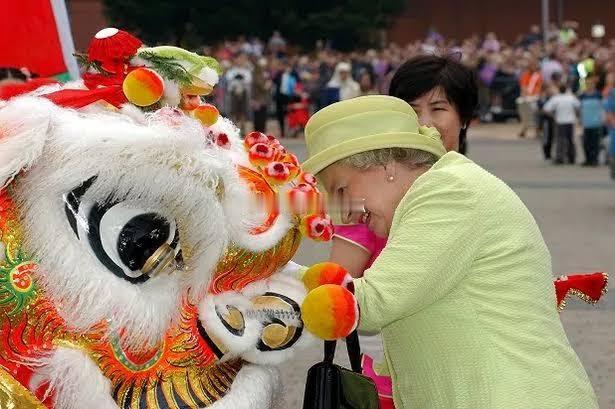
[(145, 252)]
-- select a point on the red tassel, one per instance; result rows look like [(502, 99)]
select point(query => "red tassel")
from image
[(78, 98), (588, 287), (11, 90)]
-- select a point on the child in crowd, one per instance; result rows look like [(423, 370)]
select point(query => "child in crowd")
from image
[(298, 111), (564, 108), (592, 114)]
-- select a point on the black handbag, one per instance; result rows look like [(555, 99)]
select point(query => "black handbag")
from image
[(330, 386)]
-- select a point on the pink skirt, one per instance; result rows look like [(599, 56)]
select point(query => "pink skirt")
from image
[(383, 383)]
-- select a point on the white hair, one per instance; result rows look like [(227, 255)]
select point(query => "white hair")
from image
[(382, 157)]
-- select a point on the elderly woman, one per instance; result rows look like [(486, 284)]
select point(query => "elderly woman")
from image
[(462, 293)]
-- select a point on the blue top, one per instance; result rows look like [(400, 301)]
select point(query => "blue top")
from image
[(609, 106), (591, 110)]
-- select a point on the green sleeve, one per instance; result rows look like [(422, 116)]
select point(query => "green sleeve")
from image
[(433, 242)]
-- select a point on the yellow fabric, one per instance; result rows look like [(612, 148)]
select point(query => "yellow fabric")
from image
[(363, 124), (463, 296), (14, 395)]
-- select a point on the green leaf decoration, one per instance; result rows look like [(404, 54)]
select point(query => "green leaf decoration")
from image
[(84, 62), (167, 67), (213, 64)]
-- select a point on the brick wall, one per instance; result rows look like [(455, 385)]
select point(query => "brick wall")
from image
[(508, 18)]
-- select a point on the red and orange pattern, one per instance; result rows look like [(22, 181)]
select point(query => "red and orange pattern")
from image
[(181, 372)]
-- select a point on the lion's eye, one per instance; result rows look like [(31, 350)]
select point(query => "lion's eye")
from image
[(122, 236)]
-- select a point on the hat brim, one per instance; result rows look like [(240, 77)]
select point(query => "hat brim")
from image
[(408, 140)]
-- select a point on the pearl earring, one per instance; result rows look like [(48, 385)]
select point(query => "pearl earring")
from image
[(391, 178)]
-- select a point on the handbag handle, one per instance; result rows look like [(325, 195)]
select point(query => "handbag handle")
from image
[(353, 348)]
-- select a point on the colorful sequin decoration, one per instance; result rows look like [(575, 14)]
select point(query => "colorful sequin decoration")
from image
[(180, 373), (16, 284)]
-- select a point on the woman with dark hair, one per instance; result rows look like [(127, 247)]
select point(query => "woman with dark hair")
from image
[(443, 92)]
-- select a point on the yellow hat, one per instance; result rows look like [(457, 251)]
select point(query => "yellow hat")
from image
[(364, 124)]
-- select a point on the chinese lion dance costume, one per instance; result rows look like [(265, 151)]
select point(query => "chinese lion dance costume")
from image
[(145, 248)]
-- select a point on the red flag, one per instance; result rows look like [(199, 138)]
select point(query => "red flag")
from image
[(35, 34)]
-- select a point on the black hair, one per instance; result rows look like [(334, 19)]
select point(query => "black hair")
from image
[(563, 88), (12, 73), (421, 74)]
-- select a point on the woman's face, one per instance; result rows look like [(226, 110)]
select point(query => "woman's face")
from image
[(433, 109), (368, 196)]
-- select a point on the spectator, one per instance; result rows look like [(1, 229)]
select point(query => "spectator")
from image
[(549, 90), (326, 69), (365, 84), (553, 32), (591, 118), (285, 83), (443, 93), (342, 85), (239, 97), (568, 33), (534, 36), (500, 67), (261, 95), (277, 44), (609, 107), (564, 107), (298, 111), (491, 43), (609, 84), (530, 83), (550, 66)]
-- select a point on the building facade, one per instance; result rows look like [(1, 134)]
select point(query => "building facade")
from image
[(458, 19)]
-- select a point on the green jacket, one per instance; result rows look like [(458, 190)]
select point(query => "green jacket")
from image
[(464, 298)]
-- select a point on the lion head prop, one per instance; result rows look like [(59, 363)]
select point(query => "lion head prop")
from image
[(145, 253)]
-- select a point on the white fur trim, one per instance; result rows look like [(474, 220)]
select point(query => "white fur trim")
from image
[(76, 381), (225, 126), (209, 75), (255, 387), (172, 95), (24, 125), (292, 288), (168, 168), (235, 344), (294, 270), (134, 112)]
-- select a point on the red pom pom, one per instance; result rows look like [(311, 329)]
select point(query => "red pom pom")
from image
[(317, 227), (223, 141), (308, 178), (255, 137), (276, 173), (260, 155), (111, 44)]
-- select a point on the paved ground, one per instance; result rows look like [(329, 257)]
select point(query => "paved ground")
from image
[(575, 208)]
